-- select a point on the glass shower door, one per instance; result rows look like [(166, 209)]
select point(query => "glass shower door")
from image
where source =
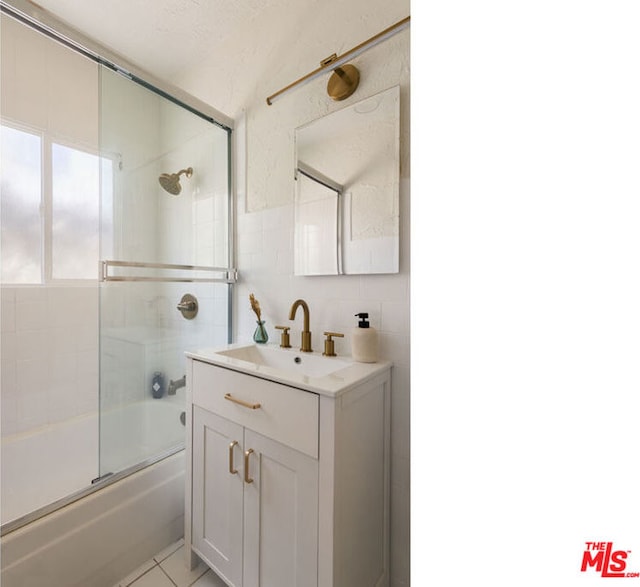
[(165, 252)]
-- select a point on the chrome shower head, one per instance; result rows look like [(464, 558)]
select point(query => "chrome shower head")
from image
[(171, 181)]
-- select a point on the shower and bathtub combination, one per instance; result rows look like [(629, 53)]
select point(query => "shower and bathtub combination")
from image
[(112, 266)]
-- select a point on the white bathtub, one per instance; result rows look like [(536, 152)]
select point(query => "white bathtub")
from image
[(113, 527), (47, 464)]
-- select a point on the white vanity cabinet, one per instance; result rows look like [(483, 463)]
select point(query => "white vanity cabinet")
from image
[(287, 487)]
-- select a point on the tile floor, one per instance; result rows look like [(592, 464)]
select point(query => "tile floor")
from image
[(167, 569)]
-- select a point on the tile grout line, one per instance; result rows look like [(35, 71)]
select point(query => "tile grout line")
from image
[(167, 575), (199, 577), (132, 583), (158, 561)]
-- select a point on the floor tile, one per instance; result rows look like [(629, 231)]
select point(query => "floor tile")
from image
[(209, 579), (153, 578), (141, 570), (175, 566), (168, 551)]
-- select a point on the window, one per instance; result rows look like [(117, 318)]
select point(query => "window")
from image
[(50, 208), (20, 206)]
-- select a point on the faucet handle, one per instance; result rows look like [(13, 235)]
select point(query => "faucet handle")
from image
[(284, 337), (329, 346)]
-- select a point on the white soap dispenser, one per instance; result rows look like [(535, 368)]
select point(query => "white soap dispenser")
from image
[(364, 341)]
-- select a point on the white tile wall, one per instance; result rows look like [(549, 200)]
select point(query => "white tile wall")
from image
[(49, 355)]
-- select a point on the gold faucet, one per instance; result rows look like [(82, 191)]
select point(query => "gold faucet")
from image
[(306, 333)]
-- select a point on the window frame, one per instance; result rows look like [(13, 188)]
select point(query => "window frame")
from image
[(47, 141)]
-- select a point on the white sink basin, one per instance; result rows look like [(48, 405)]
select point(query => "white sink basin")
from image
[(314, 372), (288, 360)]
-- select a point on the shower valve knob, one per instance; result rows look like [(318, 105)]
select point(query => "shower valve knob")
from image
[(188, 306)]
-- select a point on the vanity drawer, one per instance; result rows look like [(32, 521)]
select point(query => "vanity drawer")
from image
[(286, 414)]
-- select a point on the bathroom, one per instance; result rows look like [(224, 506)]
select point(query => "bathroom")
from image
[(257, 43)]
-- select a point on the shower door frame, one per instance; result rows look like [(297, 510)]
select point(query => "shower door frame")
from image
[(45, 23)]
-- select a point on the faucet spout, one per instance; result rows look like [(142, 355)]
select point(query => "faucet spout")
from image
[(176, 385), (306, 333)]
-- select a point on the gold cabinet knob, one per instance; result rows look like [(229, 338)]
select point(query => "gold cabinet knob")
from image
[(329, 345), (284, 337)]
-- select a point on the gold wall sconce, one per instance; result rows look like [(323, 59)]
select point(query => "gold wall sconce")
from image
[(345, 77), (343, 81)]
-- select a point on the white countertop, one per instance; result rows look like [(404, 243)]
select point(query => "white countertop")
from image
[(332, 385)]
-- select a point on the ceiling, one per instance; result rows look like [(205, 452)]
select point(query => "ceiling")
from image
[(162, 37)]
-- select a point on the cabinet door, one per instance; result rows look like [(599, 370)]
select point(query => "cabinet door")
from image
[(281, 515), (217, 494)]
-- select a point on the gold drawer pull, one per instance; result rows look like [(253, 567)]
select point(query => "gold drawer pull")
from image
[(232, 469), (247, 454), (240, 402)]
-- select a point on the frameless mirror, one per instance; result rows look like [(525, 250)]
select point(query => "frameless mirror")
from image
[(346, 206)]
